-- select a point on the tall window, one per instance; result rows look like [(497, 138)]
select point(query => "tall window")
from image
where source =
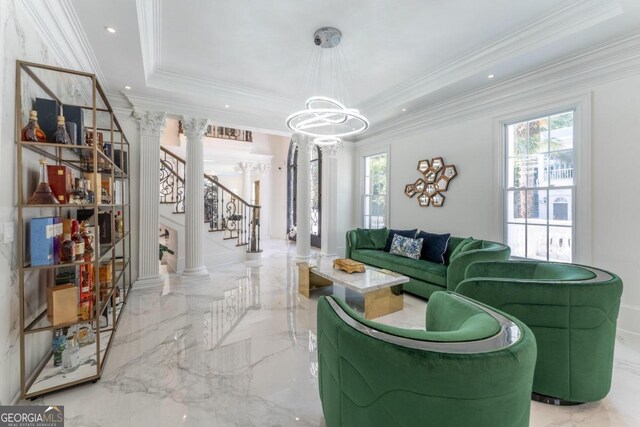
[(540, 187), (375, 191)]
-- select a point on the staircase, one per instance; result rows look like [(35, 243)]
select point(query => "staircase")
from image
[(231, 223)]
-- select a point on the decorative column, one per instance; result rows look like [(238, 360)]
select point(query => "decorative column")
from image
[(329, 225), (264, 169), (194, 200), (246, 169), (151, 125), (303, 202)]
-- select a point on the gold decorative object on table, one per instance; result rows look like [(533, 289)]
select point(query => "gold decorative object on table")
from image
[(348, 265), (435, 180)]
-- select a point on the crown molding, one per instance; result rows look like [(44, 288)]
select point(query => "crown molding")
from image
[(272, 123), (564, 21), (149, 23), (239, 95), (158, 77), (607, 62), (66, 37)]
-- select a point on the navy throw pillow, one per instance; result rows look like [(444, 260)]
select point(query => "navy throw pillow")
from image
[(404, 233), (434, 246)]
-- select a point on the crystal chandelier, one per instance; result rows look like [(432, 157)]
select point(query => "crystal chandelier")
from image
[(325, 118)]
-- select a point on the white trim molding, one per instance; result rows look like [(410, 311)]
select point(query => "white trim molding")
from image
[(66, 38), (628, 321), (581, 104), (607, 62), (566, 20), (149, 19)]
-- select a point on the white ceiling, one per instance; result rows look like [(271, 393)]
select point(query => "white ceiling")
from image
[(195, 57)]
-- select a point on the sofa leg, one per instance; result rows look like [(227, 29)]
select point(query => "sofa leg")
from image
[(553, 400)]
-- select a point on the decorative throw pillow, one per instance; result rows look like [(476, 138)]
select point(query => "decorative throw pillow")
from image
[(454, 253), (470, 246), (379, 237), (434, 246), (406, 247), (404, 233), (364, 239)]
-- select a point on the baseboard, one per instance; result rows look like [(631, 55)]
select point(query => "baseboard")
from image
[(629, 325), (15, 399), (629, 319)]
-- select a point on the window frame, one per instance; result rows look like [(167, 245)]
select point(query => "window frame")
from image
[(581, 105), (363, 185)]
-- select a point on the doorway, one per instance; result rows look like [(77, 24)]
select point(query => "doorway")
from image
[(315, 186)]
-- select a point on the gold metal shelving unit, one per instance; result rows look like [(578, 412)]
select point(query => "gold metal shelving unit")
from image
[(38, 375)]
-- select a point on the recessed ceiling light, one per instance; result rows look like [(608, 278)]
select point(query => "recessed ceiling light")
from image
[(490, 76), (227, 106), (404, 109), (110, 29), (127, 87)]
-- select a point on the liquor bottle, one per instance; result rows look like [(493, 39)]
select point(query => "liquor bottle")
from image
[(77, 240), (79, 194), (119, 225), (71, 355), (59, 341), (106, 197), (32, 132), (87, 277), (67, 249), (43, 194), (91, 197), (61, 136), (89, 238)]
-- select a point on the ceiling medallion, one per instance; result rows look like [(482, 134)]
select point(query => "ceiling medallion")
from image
[(326, 119)]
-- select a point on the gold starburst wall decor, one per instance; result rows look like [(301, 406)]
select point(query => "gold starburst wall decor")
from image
[(435, 180)]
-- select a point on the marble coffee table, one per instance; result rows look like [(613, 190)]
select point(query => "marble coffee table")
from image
[(374, 293)]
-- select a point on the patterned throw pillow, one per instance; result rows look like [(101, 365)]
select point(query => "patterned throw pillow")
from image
[(406, 247)]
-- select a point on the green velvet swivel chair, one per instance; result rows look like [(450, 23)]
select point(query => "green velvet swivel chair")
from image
[(571, 309), (471, 366)]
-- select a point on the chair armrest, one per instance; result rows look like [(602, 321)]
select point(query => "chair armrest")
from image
[(351, 242), (457, 267)]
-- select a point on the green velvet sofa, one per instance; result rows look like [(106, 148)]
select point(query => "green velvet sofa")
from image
[(427, 277), (571, 309), (471, 366)]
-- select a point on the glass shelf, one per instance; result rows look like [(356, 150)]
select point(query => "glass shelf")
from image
[(68, 154), (52, 377)]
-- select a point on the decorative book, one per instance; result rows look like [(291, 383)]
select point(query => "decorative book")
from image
[(348, 265)]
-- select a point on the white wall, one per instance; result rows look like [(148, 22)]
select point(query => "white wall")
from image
[(470, 206)]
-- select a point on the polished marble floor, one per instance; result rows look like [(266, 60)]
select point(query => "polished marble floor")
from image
[(239, 350)]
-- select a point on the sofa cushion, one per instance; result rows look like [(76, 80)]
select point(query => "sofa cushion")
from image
[(404, 233), (434, 246), (363, 240), (415, 268), (371, 238), (379, 237), (406, 247)]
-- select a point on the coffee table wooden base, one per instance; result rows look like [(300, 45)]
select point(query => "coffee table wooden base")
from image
[(377, 303), (381, 302), (307, 281)]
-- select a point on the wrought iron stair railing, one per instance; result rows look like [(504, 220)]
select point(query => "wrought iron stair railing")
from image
[(224, 210)]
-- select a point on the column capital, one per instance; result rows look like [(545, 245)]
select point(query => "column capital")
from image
[(263, 167), (194, 128), (246, 167), (151, 123), (302, 142), (331, 150)]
